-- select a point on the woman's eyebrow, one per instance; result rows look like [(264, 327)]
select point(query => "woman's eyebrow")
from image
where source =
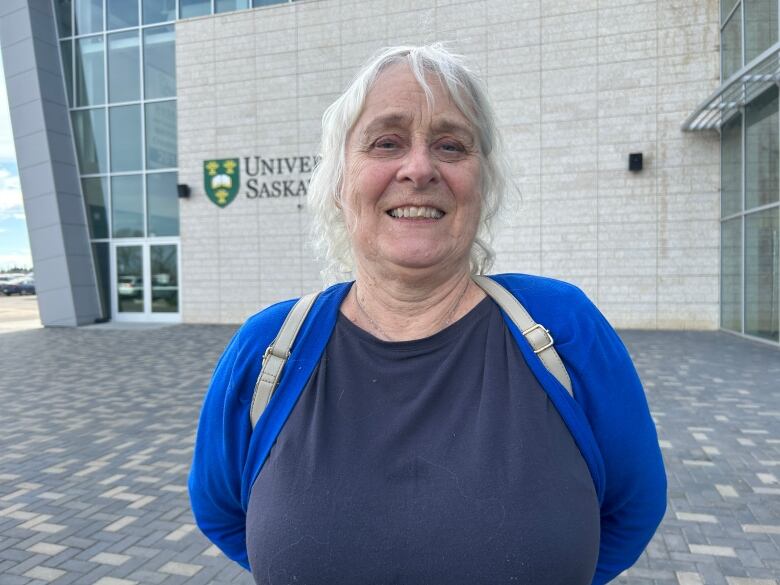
[(394, 120), (447, 126), (403, 120)]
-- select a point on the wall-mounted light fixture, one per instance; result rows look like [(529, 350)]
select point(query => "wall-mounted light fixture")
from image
[(183, 191), (635, 161)]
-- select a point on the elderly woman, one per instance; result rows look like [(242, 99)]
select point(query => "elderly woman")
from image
[(418, 434)]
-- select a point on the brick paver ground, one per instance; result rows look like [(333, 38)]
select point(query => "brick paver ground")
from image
[(96, 431)]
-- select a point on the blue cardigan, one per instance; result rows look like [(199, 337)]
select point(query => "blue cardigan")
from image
[(608, 416)]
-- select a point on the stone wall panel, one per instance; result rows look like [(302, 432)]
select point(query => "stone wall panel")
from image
[(576, 86)]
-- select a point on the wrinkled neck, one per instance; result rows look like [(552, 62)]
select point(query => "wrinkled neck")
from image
[(400, 309)]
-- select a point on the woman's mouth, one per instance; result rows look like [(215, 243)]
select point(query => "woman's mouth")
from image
[(416, 212)]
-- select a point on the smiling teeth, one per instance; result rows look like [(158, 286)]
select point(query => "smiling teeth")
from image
[(426, 212)]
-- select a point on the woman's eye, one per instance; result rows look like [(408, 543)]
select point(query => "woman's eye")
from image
[(385, 143), (452, 147)]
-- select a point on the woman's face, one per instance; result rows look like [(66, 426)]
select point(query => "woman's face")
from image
[(412, 183)]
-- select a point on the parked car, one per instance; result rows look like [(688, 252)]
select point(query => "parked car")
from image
[(130, 286), (18, 286), (8, 277), (164, 287)]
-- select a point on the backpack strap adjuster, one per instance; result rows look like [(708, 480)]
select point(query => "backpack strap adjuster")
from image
[(546, 339)]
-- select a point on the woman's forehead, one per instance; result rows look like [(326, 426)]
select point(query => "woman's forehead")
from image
[(398, 100), (398, 83)]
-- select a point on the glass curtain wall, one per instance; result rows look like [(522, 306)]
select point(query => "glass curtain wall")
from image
[(118, 61), (750, 181), (748, 28)]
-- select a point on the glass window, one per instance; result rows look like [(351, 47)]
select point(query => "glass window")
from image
[(96, 199), (62, 13), (731, 46), (165, 279), (89, 133), (130, 279), (268, 2), (230, 5), (162, 204), (762, 273), (762, 151), (760, 27), (101, 258), (731, 166), (66, 50), (89, 16), (124, 125), (127, 206), (161, 135), (124, 67), (159, 11), (121, 13), (90, 88), (725, 8), (190, 8), (731, 275), (159, 62)]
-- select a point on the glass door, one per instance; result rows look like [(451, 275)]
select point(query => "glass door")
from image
[(145, 281), (129, 281), (164, 279)]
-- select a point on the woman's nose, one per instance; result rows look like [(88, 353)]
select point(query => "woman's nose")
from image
[(418, 167)]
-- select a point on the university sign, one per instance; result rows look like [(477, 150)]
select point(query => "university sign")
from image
[(264, 178)]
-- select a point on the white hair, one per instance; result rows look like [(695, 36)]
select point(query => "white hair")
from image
[(330, 233)]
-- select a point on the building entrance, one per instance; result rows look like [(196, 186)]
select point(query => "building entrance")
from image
[(145, 281)]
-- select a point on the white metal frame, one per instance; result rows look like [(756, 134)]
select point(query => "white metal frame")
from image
[(147, 315)]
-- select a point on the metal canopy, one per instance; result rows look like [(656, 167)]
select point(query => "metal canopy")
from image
[(738, 90)]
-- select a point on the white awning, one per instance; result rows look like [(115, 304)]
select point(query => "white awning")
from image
[(738, 90)]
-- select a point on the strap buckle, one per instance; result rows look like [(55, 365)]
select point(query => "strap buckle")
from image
[(547, 344), (269, 351)]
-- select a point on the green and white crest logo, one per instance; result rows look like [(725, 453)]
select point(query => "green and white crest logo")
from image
[(221, 180)]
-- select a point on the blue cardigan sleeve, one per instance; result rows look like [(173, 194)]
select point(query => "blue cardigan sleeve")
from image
[(608, 388), (215, 476), (221, 463)]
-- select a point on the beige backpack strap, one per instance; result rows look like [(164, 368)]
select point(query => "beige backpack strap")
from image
[(540, 339), (276, 355)]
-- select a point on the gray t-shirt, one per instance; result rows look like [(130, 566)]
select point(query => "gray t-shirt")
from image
[(434, 461)]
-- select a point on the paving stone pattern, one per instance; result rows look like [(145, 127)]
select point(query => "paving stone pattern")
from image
[(716, 402), (97, 426)]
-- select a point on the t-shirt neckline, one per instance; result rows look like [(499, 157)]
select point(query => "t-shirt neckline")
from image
[(441, 337)]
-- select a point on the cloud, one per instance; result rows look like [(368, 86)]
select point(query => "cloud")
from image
[(11, 202), (21, 259), (14, 244), (7, 148)]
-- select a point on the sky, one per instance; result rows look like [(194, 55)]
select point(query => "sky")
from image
[(14, 243)]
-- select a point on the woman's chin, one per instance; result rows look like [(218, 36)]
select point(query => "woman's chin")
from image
[(423, 260)]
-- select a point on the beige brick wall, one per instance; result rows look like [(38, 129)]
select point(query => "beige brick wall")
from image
[(577, 86)]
